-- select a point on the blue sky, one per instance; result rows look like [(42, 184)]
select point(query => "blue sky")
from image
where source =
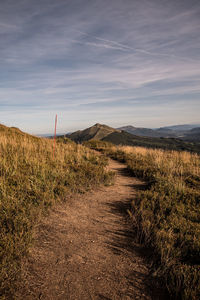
[(117, 62)]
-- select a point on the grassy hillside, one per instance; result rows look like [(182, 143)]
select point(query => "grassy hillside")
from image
[(31, 182), (125, 138), (167, 214), (193, 135)]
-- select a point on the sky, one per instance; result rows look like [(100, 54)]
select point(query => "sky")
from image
[(116, 62)]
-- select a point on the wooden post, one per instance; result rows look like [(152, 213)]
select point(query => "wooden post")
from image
[(55, 137)]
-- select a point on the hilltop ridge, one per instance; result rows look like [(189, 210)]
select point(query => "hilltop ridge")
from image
[(97, 132), (11, 130)]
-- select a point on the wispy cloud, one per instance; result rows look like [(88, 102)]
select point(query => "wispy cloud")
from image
[(119, 46)]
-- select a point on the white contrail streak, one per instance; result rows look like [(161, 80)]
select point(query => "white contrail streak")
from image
[(124, 47), (107, 46)]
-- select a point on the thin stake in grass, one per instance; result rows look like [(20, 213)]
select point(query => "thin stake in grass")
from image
[(54, 146)]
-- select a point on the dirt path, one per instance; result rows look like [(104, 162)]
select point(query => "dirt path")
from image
[(85, 249)]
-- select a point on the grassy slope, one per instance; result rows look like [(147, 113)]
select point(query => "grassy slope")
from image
[(31, 182), (125, 138), (168, 212)]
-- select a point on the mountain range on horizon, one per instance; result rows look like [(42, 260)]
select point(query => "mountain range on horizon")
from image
[(188, 132), (184, 131), (165, 131), (181, 126), (122, 136), (99, 131)]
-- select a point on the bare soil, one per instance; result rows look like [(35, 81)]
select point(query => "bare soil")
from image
[(85, 249)]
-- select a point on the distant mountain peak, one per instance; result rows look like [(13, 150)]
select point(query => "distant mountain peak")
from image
[(102, 126), (97, 131)]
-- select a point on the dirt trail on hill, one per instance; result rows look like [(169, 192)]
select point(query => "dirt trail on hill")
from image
[(85, 249)]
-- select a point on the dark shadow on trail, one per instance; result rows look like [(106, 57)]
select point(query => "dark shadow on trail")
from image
[(120, 207), (102, 297), (124, 172), (124, 241)]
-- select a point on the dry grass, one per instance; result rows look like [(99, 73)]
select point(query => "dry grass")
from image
[(168, 212), (31, 182)]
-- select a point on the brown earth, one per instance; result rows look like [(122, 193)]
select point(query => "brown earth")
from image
[(85, 249)]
